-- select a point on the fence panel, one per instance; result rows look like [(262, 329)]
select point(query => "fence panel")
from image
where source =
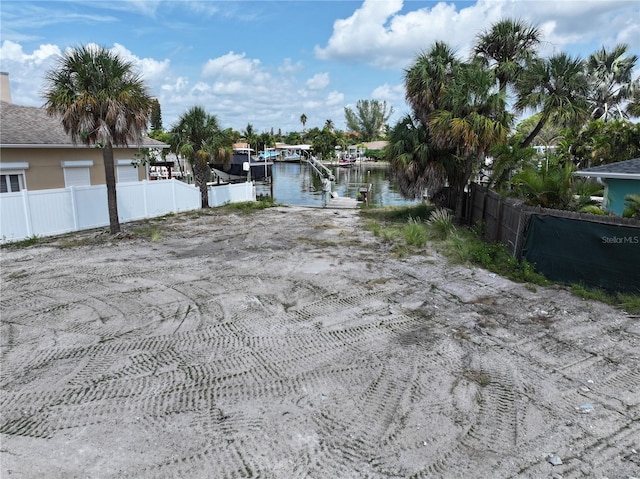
[(15, 223), (231, 193), (50, 212), (556, 241), (90, 206), (599, 255)]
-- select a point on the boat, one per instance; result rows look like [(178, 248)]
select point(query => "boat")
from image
[(292, 157), (346, 162), (234, 172), (270, 154)]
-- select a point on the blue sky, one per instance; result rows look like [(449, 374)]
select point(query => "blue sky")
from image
[(265, 63)]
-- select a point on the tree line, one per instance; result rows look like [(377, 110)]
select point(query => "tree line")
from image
[(462, 111)]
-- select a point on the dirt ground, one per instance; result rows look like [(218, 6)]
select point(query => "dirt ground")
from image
[(291, 343)]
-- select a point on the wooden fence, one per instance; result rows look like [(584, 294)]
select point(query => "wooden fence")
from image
[(504, 220)]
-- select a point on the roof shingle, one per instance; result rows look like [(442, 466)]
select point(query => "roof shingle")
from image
[(27, 125), (621, 169)]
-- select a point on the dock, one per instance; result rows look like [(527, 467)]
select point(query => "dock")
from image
[(342, 203)]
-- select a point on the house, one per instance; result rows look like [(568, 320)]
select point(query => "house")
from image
[(619, 179), (36, 153)]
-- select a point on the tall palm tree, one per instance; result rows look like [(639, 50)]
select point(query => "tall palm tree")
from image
[(472, 120), (200, 141), (558, 88), (427, 78), (303, 120), (506, 47), (100, 101), (610, 74), (250, 135)]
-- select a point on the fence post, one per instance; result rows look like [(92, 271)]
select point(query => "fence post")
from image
[(26, 204), (173, 195), (144, 195), (74, 207), (499, 219)]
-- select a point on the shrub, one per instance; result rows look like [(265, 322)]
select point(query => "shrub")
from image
[(440, 223)]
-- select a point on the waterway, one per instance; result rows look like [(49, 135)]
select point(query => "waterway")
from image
[(298, 184)]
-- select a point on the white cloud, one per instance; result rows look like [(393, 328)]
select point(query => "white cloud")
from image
[(388, 93), (335, 98), (26, 70), (288, 67), (385, 34), (231, 65), (150, 69), (318, 81)]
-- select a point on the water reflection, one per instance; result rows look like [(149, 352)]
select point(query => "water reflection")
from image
[(298, 184)]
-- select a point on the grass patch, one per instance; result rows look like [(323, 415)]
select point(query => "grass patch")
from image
[(415, 233), (24, 243), (464, 246), (440, 224), (247, 207), (399, 214), (629, 302), (148, 231)]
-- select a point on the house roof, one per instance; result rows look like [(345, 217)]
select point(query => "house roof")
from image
[(27, 126), (625, 170)]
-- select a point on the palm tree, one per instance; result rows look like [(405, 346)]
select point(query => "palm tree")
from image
[(610, 75), (417, 167), (201, 140), (472, 120), (507, 46), (100, 101), (303, 120), (547, 188), (558, 87), (426, 80), (250, 135), (328, 125)]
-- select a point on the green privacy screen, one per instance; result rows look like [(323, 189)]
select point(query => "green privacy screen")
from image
[(593, 254)]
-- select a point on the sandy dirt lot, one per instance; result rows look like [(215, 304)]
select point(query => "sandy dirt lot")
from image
[(290, 343)]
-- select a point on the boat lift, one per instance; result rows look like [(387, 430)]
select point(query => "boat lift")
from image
[(320, 169)]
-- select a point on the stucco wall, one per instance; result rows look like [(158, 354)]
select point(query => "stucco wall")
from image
[(45, 164), (617, 189)]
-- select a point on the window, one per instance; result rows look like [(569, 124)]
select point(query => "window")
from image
[(126, 171), (76, 173), (10, 183), (12, 177)]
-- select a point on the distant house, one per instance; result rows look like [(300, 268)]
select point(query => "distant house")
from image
[(619, 179), (36, 153)]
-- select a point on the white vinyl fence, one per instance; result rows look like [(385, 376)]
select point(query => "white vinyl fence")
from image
[(51, 212)]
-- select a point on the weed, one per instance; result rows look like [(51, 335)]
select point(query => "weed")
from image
[(30, 241), (629, 302), (247, 207), (399, 214), (440, 223), (414, 233)]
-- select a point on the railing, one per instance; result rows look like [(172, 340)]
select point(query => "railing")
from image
[(320, 169)]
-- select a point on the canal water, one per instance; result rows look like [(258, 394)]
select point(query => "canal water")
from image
[(299, 184)]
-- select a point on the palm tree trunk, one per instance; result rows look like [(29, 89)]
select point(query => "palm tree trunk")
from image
[(200, 171), (527, 141), (110, 180)]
